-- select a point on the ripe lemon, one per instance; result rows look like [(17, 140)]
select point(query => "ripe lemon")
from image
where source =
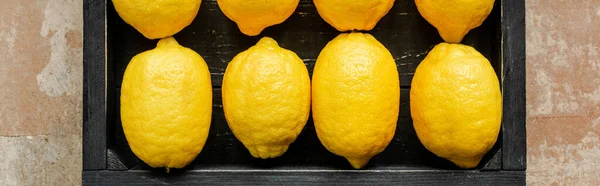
[(266, 98), (157, 19), (356, 96), (166, 105), (455, 18), (253, 16), (347, 15), (456, 104)]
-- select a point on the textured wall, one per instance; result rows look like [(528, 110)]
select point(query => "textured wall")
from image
[(40, 94), (41, 79), (563, 92)]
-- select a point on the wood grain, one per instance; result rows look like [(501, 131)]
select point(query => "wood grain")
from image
[(513, 79), (305, 178), (94, 89)]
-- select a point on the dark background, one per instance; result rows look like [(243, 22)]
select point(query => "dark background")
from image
[(217, 39)]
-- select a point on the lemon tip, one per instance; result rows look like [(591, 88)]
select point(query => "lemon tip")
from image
[(167, 41), (358, 163)]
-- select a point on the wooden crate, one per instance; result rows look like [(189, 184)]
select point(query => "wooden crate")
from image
[(109, 44)]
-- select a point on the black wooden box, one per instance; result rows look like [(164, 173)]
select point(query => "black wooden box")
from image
[(109, 44)]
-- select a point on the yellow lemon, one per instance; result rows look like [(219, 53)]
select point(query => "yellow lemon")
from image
[(356, 96), (456, 104), (157, 19), (266, 98), (455, 18), (253, 16), (347, 15), (166, 105)]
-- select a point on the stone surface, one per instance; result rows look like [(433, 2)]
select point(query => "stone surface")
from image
[(563, 92), (41, 92), (41, 79)]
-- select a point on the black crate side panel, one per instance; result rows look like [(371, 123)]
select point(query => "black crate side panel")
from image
[(513, 78), (94, 89)]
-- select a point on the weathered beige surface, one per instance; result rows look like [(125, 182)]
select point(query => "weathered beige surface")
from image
[(40, 92), (563, 92), (41, 79)]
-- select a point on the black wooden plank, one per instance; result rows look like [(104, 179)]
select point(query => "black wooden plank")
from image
[(94, 97), (513, 76), (305, 177), (114, 161), (494, 162)]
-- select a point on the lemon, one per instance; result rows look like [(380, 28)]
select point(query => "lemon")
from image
[(166, 105), (157, 19), (266, 98), (454, 18), (253, 16), (456, 104), (347, 15), (356, 96)]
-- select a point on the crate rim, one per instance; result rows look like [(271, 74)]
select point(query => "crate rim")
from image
[(513, 150)]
